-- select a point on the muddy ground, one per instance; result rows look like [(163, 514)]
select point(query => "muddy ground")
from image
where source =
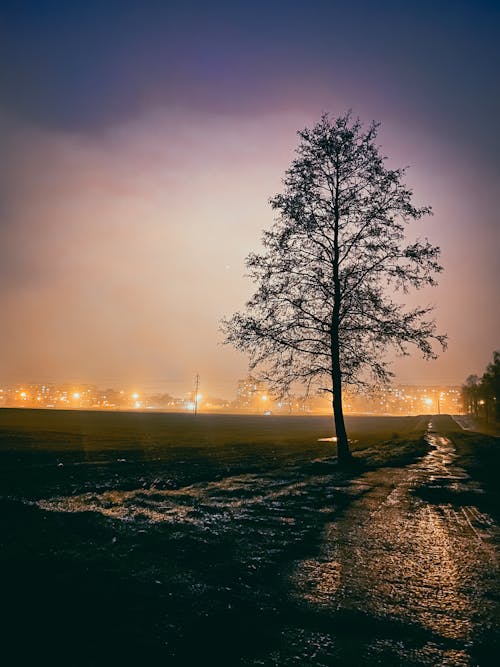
[(151, 539)]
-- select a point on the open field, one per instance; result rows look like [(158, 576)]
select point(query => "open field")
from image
[(70, 451), (149, 538), (74, 429)]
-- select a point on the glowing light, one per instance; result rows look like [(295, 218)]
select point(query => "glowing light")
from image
[(138, 404), (76, 395), (135, 396), (428, 401), (23, 394), (198, 397), (264, 398)]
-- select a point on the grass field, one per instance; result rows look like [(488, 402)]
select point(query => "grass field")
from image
[(81, 450), (133, 538), (70, 429), (479, 453)]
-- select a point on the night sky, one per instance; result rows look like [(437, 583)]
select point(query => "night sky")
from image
[(140, 142)]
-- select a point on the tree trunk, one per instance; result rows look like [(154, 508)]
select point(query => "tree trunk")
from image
[(343, 451)]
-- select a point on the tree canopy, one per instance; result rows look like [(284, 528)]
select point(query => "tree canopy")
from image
[(325, 310), (481, 396)]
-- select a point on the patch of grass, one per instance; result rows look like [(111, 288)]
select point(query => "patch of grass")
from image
[(488, 427), (71, 429), (51, 452), (479, 454)]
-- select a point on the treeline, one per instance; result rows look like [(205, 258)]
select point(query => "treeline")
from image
[(481, 396)]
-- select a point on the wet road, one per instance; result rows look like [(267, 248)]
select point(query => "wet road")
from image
[(427, 569)]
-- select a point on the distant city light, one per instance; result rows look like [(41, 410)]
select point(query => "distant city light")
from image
[(252, 396)]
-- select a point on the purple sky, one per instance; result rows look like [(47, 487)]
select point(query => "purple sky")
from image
[(140, 142)]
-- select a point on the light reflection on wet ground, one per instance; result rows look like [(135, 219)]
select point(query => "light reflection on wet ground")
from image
[(229, 499), (394, 556)]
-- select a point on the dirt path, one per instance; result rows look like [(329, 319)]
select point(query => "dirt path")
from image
[(427, 568)]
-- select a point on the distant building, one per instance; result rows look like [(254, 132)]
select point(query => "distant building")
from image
[(253, 395)]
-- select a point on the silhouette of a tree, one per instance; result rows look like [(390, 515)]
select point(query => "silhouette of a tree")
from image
[(490, 387), (471, 394), (324, 310), (481, 397)]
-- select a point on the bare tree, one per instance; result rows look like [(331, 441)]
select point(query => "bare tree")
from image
[(490, 387), (484, 393), (324, 310), (470, 395)]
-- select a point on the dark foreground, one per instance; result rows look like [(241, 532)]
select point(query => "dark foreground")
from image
[(155, 539)]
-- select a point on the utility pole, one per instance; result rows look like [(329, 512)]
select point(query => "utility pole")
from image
[(196, 394)]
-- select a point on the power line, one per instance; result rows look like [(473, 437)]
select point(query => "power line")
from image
[(196, 394)]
